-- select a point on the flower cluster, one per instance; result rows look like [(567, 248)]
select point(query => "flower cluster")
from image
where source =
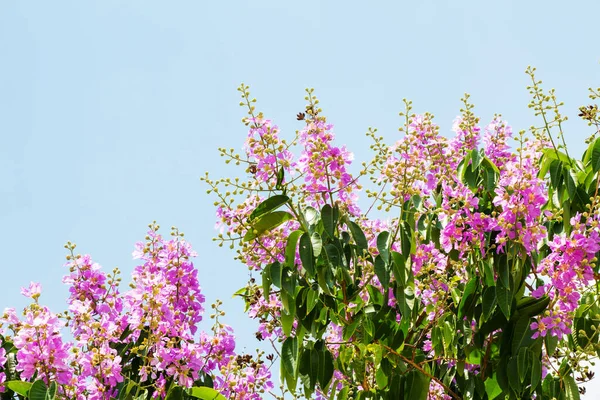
[(148, 334), (266, 153), (324, 168), (569, 267), (521, 195), (41, 352)]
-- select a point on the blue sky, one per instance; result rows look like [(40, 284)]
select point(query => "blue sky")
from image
[(110, 111)]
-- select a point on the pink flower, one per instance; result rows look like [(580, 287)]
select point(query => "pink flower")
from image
[(33, 292)]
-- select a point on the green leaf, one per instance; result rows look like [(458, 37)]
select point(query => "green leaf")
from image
[(522, 363), (406, 240), (311, 300), (289, 361), (382, 271), (533, 308), (513, 376), (19, 387), (492, 388), (468, 298), (520, 333), (405, 297), (556, 174), (314, 367), (350, 329), (551, 343), (475, 158), (205, 393), (317, 243), (474, 356), (51, 391), (596, 156), (504, 272), (504, 297), (325, 368), (417, 386), (175, 393), (489, 302), (358, 235), (266, 282), (570, 182), (279, 183), (400, 269), (382, 245), (270, 204), (571, 390), (329, 216), (266, 223), (307, 254), (287, 321), (290, 248), (536, 371), (38, 391), (276, 274)]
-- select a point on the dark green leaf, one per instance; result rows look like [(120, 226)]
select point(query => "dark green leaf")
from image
[(329, 216), (280, 176), (325, 368), (556, 174), (406, 240), (520, 334), (551, 343), (311, 299), (570, 182), (504, 297), (307, 255), (489, 302), (536, 307), (276, 274), (266, 223), (314, 367), (417, 386), (289, 361), (51, 391), (175, 393), (382, 271), (38, 390), (270, 204), (468, 298), (513, 376), (504, 272), (358, 235), (522, 363), (536, 371)]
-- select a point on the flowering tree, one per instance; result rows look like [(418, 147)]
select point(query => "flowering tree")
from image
[(139, 344), (470, 273)]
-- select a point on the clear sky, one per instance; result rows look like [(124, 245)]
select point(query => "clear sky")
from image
[(110, 111)]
